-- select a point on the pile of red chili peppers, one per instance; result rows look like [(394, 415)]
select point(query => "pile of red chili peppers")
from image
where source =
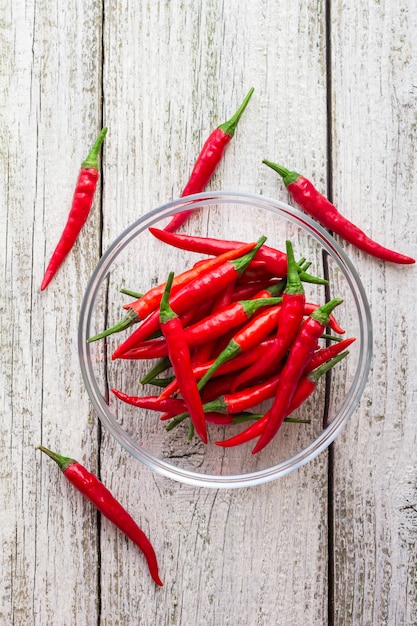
[(230, 333)]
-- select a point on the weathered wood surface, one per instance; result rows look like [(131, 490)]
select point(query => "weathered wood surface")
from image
[(335, 98)]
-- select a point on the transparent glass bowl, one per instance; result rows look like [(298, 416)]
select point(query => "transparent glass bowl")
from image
[(136, 260)]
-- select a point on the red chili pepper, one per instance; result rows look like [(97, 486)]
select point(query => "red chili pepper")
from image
[(249, 336), (240, 361), (208, 160), (149, 302), (275, 260), (244, 399), (203, 287), (224, 385), (305, 388), (179, 355), (93, 489), (325, 354), (292, 314), (300, 355), (319, 207), (248, 291), (208, 329), (225, 298), (80, 209), (333, 323), (152, 402)]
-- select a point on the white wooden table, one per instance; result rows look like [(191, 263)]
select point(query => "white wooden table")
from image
[(336, 99)]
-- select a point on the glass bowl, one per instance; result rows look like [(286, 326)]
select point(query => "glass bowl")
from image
[(137, 260)]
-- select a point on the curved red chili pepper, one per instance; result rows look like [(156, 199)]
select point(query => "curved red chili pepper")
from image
[(80, 209), (208, 160), (319, 207), (204, 287), (300, 355), (206, 330), (274, 260), (333, 323), (305, 388), (93, 489), (325, 354), (179, 355), (149, 302), (292, 314)]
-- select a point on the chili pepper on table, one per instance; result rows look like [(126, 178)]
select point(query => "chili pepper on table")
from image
[(149, 302), (201, 288), (93, 489), (275, 260), (301, 352), (208, 160), (305, 388), (80, 208), (179, 355), (292, 314), (319, 207)]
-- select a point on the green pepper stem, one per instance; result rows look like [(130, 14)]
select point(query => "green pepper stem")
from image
[(251, 306), (63, 462), (320, 371), (322, 315), (287, 176), (276, 289), (161, 382), (165, 311), (130, 318), (133, 294), (315, 280), (294, 284), (229, 127), (241, 263), (91, 162), (228, 353), (161, 366)]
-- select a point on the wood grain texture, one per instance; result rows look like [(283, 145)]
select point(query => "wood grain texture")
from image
[(374, 60), (50, 114), (161, 75)]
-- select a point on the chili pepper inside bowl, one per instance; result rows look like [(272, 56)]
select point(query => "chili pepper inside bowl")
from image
[(142, 258)]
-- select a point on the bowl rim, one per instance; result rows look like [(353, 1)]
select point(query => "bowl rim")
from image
[(351, 400)]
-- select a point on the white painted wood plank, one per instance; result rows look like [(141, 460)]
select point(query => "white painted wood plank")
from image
[(374, 64), (50, 113)]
